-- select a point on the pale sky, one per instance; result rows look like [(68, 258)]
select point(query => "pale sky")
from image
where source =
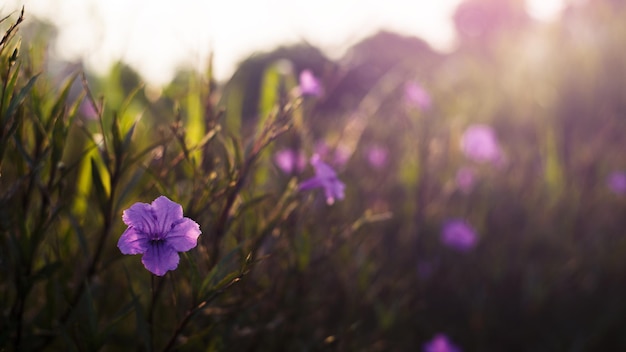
[(156, 36)]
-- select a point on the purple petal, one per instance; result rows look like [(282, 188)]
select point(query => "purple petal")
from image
[(184, 235), (377, 156), (459, 235), (290, 161), (133, 241), (616, 182), (322, 170), (417, 96), (313, 182), (159, 258), (167, 213), (334, 190), (140, 216), (440, 343), (480, 144), (309, 85)]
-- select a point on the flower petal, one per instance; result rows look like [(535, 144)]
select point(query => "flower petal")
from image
[(140, 216), (133, 241), (159, 258), (184, 235), (333, 190), (167, 213), (313, 182)]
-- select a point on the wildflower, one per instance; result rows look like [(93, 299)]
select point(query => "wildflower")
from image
[(440, 343), (377, 156), (465, 179), (415, 95), (479, 143), (616, 181), (326, 178), (158, 231), (459, 235), (290, 161), (87, 110), (309, 85)]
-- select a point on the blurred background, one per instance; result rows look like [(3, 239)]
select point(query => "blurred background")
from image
[(482, 143), (157, 37)]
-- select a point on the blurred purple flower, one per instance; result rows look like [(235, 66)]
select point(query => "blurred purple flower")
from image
[(616, 181), (459, 235), (309, 85), (440, 343), (465, 179), (87, 110), (158, 231), (290, 161), (377, 156), (416, 95), (479, 143), (326, 178)]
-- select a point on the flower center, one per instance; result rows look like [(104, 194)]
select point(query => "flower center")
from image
[(155, 238)]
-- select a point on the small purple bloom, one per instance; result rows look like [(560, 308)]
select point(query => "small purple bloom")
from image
[(459, 235), (616, 181), (440, 343), (465, 179), (87, 110), (415, 95), (377, 156), (326, 178), (290, 161), (309, 85), (479, 143), (158, 231)]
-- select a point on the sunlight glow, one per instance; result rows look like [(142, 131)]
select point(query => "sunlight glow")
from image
[(156, 37)]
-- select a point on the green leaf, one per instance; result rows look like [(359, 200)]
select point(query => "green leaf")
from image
[(46, 271), (98, 183), (128, 137), (59, 105), (210, 282), (143, 330), (117, 137), (7, 93), (17, 100)]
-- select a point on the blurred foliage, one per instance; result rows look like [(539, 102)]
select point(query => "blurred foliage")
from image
[(278, 269)]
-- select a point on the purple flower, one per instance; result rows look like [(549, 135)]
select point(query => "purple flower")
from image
[(290, 161), (465, 179), (158, 231), (616, 181), (459, 235), (87, 110), (326, 178), (377, 156), (309, 85), (440, 343), (479, 143), (415, 95)]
